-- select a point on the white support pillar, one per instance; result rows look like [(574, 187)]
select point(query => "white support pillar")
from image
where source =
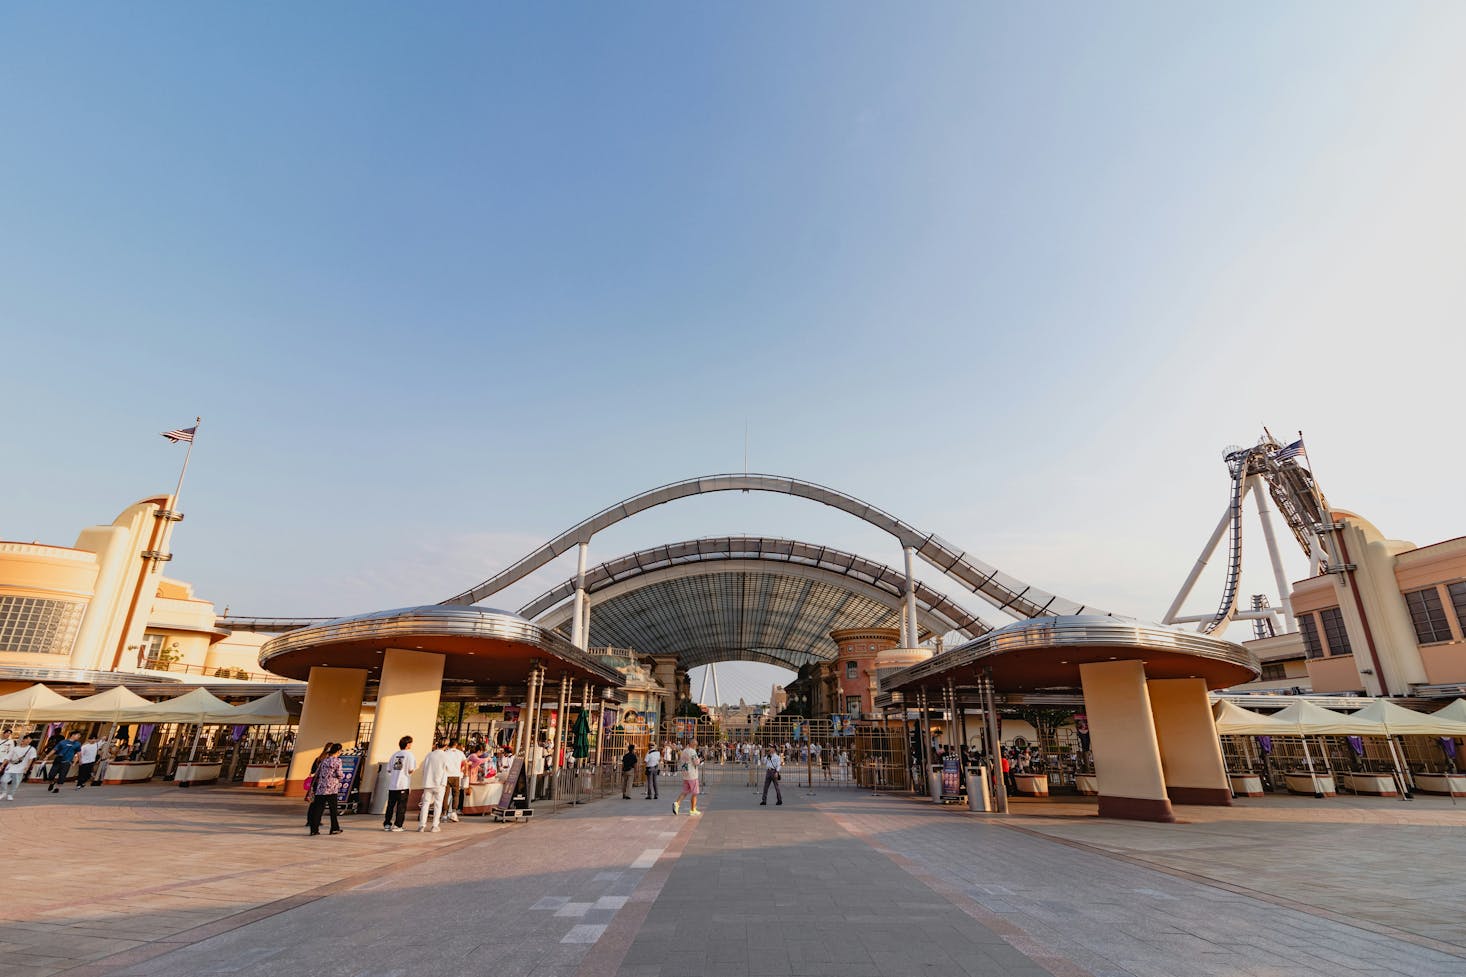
[(912, 631), (580, 618), (1264, 513)]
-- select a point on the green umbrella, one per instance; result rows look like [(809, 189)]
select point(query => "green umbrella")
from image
[(580, 749)]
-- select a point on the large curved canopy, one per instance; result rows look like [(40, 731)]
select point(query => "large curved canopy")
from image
[(749, 598), (1007, 593)]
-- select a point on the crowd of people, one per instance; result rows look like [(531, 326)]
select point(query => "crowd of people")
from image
[(61, 757)]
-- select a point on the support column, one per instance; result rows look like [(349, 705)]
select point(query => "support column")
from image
[(407, 705), (1191, 754), (580, 618), (330, 714), (1127, 757), (912, 631), (1285, 589)]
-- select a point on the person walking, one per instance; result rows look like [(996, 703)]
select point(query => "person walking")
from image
[(435, 770), (61, 757), (326, 786), (86, 762), (687, 763), (653, 767), (400, 766), (17, 762), (453, 794), (628, 770), (772, 764)]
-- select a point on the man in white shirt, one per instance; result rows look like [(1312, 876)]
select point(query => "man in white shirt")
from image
[(435, 770), (7, 744), (772, 763), (653, 767), (88, 761), (400, 766), (453, 794), (21, 756)]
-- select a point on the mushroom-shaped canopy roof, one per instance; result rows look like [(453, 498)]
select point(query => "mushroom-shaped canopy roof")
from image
[(478, 644), (1046, 652)]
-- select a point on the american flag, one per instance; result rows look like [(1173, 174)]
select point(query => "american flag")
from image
[(180, 434), (1291, 451)]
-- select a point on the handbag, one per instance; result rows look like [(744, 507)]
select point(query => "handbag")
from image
[(310, 782)]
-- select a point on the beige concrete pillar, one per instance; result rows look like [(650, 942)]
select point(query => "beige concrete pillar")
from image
[(330, 713), (1191, 754), (407, 705), (1127, 758)]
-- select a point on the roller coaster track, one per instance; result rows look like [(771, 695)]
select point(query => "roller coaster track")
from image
[(1295, 493)]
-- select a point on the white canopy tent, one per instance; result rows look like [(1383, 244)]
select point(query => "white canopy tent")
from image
[(115, 705), (267, 710), (1399, 721), (34, 704), (1456, 711), (1232, 720)]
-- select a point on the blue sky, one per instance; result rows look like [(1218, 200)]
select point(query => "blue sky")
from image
[(442, 282)]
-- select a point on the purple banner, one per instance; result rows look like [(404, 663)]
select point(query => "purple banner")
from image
[(1448, 746), (235, 732), (1356, 744), (1265, 743)]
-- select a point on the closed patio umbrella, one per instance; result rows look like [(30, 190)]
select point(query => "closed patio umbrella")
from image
[(580, 747)]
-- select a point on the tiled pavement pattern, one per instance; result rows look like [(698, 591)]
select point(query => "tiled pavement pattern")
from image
[(1117, 918), (1394, 849), (151, 881)]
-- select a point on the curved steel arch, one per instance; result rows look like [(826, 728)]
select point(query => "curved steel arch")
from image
[(936, 612), (749, 610), (1008, 594)]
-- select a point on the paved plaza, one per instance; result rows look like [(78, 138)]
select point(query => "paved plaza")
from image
[(153, 880)]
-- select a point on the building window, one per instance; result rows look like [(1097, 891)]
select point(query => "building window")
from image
[(1458, 602), (852, 670), (852, 705), (1334, 632), (1309, 631), (1273, 672), (1428, 616), (37, 626)]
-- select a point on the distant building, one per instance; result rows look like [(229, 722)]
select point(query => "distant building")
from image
[(100, 610), (1389, 620)]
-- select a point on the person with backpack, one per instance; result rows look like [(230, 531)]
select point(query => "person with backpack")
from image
[(687, 763), (628, 770)]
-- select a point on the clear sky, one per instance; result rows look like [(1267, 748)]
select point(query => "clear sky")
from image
[(443, 281)]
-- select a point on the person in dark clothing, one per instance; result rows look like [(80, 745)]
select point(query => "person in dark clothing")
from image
[(62, 755), (628, 770), (326, 786)]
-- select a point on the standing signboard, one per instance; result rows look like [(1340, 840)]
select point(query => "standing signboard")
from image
[(951, 777), (350, 763)]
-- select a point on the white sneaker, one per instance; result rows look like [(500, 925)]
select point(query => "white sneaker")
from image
[(421, 828), (433, 829), (452, 817), (399, 829), (676, 808), (699, 813)]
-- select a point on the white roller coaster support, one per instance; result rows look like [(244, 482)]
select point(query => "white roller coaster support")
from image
[(1265, 514), (912, 632), (580, 620), (1201, 562)]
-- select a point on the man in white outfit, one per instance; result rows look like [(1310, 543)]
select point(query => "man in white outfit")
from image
[(16, 763), (435, 772)]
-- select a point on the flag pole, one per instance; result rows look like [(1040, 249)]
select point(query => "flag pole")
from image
[(197, 423)]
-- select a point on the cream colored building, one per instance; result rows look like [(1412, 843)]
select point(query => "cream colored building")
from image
[(1391, 620), (72, 615)]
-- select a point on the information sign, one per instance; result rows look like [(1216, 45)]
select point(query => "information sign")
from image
[(349, 764), (951, 777)]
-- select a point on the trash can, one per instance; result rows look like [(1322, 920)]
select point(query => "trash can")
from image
[(979, 796), (934, 783)]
